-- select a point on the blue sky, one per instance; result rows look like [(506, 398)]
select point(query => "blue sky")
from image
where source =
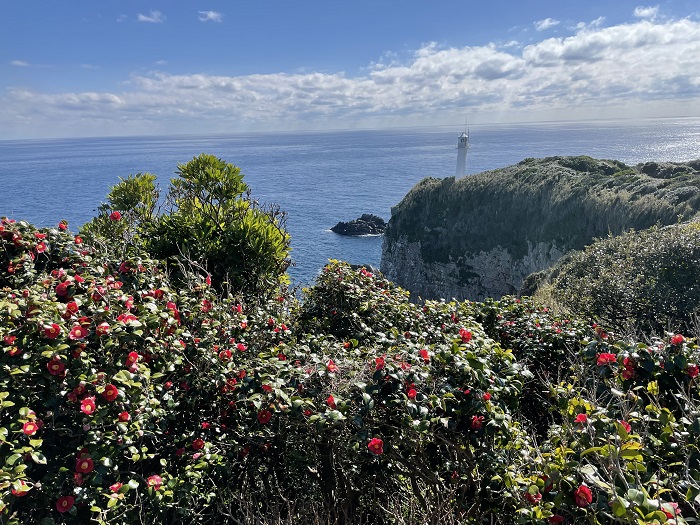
[(120, 67)]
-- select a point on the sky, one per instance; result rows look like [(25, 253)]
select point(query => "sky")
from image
[(126, 67)]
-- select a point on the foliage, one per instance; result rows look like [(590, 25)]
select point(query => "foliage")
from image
[(482, 235), (647, 280), (210, 221), (133, 392)]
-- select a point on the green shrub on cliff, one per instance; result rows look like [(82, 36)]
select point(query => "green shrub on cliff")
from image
[(648, 280)]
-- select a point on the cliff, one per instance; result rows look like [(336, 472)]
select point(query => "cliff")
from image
[(482, 235)]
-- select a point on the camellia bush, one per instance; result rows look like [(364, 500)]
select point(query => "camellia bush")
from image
[(133, 393)]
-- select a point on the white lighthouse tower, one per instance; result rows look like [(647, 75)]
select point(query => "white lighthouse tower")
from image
[(462, 148)]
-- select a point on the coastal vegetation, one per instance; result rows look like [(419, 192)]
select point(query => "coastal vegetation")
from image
[(485, 233), (148, 384)]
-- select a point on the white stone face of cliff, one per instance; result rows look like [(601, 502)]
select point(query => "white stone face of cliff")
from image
[(472, 276)]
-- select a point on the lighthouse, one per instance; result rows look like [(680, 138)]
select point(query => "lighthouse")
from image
[(462, 148)]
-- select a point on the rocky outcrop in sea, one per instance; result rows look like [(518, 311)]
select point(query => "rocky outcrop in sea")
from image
[(367, 224)]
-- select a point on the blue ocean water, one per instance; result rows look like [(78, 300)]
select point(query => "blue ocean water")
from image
[(319, 178)]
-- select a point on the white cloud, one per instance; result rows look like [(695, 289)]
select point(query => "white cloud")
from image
[(541, 25), (210, 16), (19, 63), (637, 69), (646, 12), (155, 17), (122, 18)]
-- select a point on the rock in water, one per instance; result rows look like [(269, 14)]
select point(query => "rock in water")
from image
[(368, 224)]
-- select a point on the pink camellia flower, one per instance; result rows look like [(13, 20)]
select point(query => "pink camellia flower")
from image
[(87, 405), (102, 329), (331, 402), (693, 370), (241, 347), (581, 418), (331, 366), (110, 393), (56, 366), (198, 444), (583, 496), (78, 333), (208, 280), (465, 334), (477, 422), (605, 358), (52, 331), (677, 339), (30, 428), (154, 481), (84, 465), (115, 487), (115, 216), (124, 417), (376, 446), (64, 503), (264, 417)]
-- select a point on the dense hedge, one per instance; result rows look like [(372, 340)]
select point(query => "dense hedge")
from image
[(648, 280)]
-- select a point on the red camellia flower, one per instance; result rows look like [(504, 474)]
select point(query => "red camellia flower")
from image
[(331, 366), (625, 425), (22, 489), (583, 496), (376, 446), (84, 465), (198, 444), (557, 518), (30, 428), (78, 240), (62, 289), (65, 503), (9, 340), (533, 498), (225, 355), (52, 331), (241, 347), (154, 481), (677, 339), (425, 355), (605, 358), (78, 333), (110, 393), (412, 393), (693, 370), (264, 416), (124, 417), (127, 318), (486, 396), (41, 247), (331, 402), (116, 487), (115, 216), (56, 367), (379, 363), (72, 308), (477, 422), (465, 334), (581, 418), (87, 405), (131, 359)]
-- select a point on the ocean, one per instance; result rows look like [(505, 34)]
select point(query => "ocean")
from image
[(319, 178)]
